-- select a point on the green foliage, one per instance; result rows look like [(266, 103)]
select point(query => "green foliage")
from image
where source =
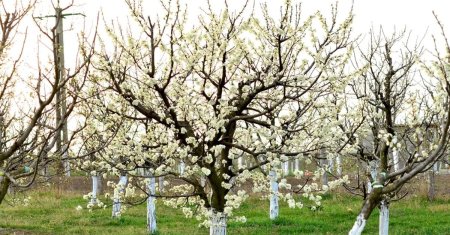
[(48, 215)]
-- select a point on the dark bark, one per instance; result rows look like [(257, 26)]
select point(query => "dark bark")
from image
[(4, 185), (371, 202)]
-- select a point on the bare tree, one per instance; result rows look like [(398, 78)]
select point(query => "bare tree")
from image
[(405, 120), (28, 128)]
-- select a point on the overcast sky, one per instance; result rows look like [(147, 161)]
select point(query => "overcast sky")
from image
[(415, 15)]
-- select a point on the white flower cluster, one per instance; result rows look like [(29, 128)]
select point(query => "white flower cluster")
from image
[(234, 201)]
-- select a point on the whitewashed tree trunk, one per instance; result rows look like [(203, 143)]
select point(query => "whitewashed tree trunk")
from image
[(369, 187), (218, 224), (240, 163), (116, 201), (286, 168), (181, 167), (396, 161), (384, 218), (66, 163), (296, 164), (330, 163), (373, 165), (151, 207), (338, 166), (359, 225), (94, 189), (274, 209), (325, 173), (161, 184)]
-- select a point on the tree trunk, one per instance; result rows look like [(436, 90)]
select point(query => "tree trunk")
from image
[(218, 223), (286, 168), (151, 207), (94, 189), (4, 185), (296, 164), (384, 217), (117, 191), (181, 167), (330, 163), (161, 184), (373, 165), (240, 163), (359, 225), (274, 195), (370, 203), (325, 173), (338, 166), (396, 160)]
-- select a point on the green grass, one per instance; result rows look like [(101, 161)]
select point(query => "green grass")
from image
[(50, 215)]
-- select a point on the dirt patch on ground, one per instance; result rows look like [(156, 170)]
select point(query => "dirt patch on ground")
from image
[(14, 232), (83, 184)]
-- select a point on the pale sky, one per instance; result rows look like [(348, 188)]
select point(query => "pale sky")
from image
[(415, 15)]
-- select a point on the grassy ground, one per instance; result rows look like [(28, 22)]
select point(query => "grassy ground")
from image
[(49, 215)]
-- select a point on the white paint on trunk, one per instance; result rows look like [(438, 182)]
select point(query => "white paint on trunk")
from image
[(181, 167), (384, 218), (330, 163), (396, 160), (151, 207), (240, 163), (286, 168), (338, 166), (274, 209), (116, 201), (369, 187), (373, 165), (94, 190), (436, 167), (359, 225), (218, 224), (324, 164), (296, 164)]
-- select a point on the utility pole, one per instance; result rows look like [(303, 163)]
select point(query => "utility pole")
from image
[(62, 135)]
